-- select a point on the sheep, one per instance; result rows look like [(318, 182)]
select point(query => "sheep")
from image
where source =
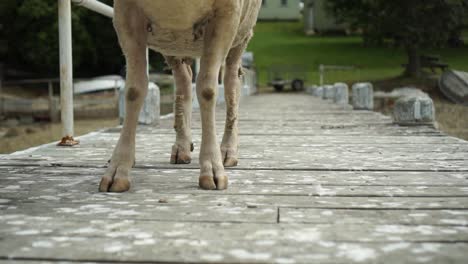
[(217, 32)]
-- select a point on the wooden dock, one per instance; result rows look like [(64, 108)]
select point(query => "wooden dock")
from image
[(316, 183)]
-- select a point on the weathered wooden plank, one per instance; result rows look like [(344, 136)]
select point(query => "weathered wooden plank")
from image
[(285, 189), (150, 211), (324, 129), (257, 147), (384, 151), (291, 161), (237, 213), (106, 141), (392, 153), (27, 176), (360, 216), (425, 166), (299, 249), (76, 198), (42, 261), (61, 181), (299, 139), (254, 151), (17, 226)]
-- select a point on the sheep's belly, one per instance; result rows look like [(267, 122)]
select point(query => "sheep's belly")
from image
[(183, 43), (180, 43)]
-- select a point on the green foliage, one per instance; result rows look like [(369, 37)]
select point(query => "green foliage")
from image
[(29, 39), (414, 24), (417, 22)]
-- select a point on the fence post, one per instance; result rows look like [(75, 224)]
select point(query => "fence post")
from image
[(66, 72), (1, 89), (53, 106)]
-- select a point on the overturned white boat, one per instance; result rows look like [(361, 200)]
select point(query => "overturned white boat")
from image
[(454, 85), (103, 83)]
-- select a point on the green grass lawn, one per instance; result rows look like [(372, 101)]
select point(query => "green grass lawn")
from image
[(284, 43)]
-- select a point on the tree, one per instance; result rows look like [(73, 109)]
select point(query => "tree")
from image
[(29, 40), (411, 24)]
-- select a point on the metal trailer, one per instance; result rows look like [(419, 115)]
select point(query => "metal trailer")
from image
[(293, 76)]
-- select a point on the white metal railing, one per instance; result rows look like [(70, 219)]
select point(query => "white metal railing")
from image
[(325, 68), (96, 6)]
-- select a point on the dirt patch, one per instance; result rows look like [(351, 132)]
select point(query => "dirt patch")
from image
[(452, 118), (21, 137)]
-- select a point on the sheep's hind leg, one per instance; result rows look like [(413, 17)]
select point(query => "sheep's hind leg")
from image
[(232, 91), (182, 148)]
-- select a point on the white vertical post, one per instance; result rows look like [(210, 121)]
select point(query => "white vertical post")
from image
[(66, 71), (321, 72), (197, 66), (1, 88), (51, 101)]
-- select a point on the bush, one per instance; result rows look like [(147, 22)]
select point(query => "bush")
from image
[(29, 39)]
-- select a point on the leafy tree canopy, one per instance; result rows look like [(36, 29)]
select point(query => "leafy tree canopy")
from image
[(29, 39), (412, 24)]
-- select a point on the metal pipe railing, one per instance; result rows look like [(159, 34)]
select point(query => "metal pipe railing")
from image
[(96, 6)]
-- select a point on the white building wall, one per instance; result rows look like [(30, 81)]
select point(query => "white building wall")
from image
[(280, 10)]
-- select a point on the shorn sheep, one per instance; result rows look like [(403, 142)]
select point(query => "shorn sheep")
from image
[(217, 32)]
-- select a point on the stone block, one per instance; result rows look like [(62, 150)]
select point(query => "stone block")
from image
[(220, 99), (245, 91), (363, 96), (318, 92), (341, 94), (195, 104), (249, 80), (414, 110), (150, 112), (310, 89), (328, 92)]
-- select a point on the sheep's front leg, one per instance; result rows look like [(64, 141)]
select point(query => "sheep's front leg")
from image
[(218, 39), (232, 90), (182, 148), (132, 38)]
